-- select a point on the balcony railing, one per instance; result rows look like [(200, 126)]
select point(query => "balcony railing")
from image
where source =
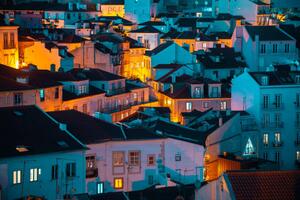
[(273, 106), (92, 173), (115, 91), (277, 144), (272, 125), (116, 109)]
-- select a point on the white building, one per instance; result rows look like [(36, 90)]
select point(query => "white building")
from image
[(39, 157), (129, 159), (262, 46), (273, 98)]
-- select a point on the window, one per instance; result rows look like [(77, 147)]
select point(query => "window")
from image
[(265, 101), (54, 172), (277, 157), (274, 48), (84, 108), (18, 98), (34, 174), (140, 39), (188, 106), (205, 104), (42, 95), (68, 16), (134, 158), (56, 95), (249, 149), (12, 40), (118, 183), (266, 120), (265, 80), (151, 160), (265, 156), (5, 40), (263, 48), (198, 92), (278, 100), (177, 157), (17, 177), (71, 169), (223, 105), (91, 162), (99, 187), (277, 138), (266, 139), (118, 158), (215, 92), (286, 48)]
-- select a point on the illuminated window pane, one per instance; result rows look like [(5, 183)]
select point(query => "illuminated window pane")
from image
[(34, 174), (118, 183), (118, 158), (249, 149), (100, 187), (17, 176)]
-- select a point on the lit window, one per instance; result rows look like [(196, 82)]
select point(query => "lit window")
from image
[(223, 105), (134, 158), (118, 183), (118, 158), (266, 139), (249, 149), (34, 174), (298, 155), (42, 95), (151, 160), (188, 106), (100, 187), (277, 138), (17, 176)]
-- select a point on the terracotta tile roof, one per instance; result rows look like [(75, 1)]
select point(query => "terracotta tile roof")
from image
[(263, 185)]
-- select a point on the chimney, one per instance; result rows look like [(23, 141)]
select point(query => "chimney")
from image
[(220, 121)]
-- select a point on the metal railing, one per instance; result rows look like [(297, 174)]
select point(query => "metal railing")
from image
[(273, 106), (272, 125), (277, 144)]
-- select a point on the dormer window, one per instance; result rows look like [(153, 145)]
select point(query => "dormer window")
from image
[(265, 80)]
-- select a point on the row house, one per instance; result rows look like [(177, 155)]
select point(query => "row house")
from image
[(22, 88), (186, 93), (9, 48), (273, 99), (40, 159), (123, 158)]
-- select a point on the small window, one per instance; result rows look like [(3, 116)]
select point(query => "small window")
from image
[(42, 95), (134, 158), (274, 48), (266, 139), (118, 158), (178, 157), (18, 98), (205, 104), (100, 187), (151, 160), (71, 169), (223, 105), (54, 172), (286, 48), (277, 138), (118, 183), (17, 177), (34, 174), (263, 48), (56, 95), (188, 106), (264, 80)]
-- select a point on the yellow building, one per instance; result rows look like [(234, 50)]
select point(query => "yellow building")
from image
[(112, 10), (9, 51)]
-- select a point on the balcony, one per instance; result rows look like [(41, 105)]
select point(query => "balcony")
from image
[(277, 144), (109, 110), (272, 125), (271, 107), (92, 173)]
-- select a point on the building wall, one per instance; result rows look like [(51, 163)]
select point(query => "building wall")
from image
[(9, 55), (137, 178), (45, 186), (138, 11), (7, 98), (153, 39)]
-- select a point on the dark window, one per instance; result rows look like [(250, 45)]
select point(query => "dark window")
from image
[(286, 48), (18, 98), (54, 172), (56, 96), (71, 170), (274, 48), (12, 40), (263, 48), (5, 41), (178, 157)]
